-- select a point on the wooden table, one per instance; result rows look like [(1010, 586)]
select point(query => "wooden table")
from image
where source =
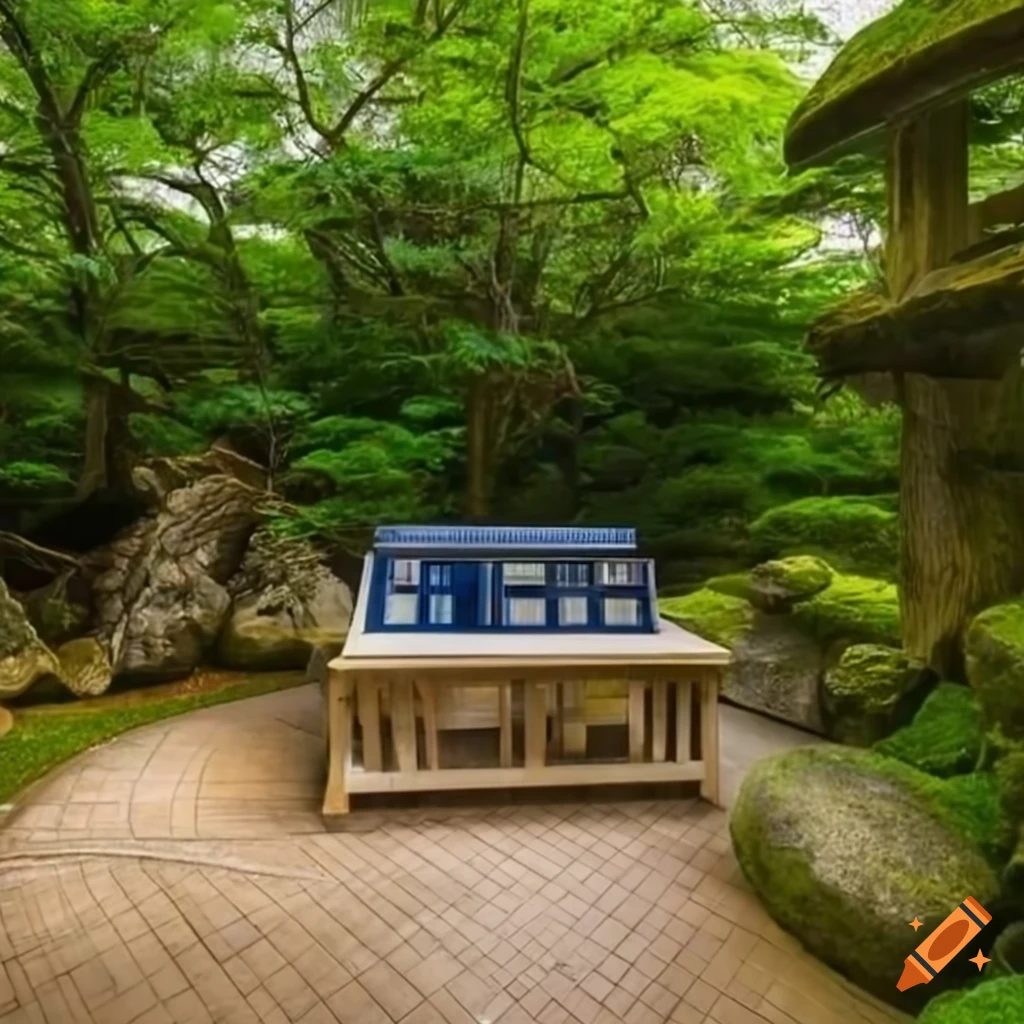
[(672, 680)]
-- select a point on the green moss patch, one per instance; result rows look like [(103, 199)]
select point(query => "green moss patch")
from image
[(1000, 1001), (994, 647), (734, 584), (945, 737), (857, 609), (711, 615), (777, 584), (853, 534), (44, 737)]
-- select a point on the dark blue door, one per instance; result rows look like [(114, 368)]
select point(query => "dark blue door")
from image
[(466, 594)]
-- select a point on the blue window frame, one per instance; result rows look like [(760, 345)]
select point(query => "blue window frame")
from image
[(517, 593)]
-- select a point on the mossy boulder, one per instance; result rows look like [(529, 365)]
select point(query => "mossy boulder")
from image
[(853, 534), (852, 609), (721, 618), (994, 647), (84, 667), (1008, 951), (868, 693), (24, 658), (999, 1001), (945, 737), (776, 585), (733, 584), (846, 846), (1010, 773)]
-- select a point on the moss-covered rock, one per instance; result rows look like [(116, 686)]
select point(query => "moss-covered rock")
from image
[(853, 534), (994, 647), (845, 846), (733, 584), (776, 585), (84, 667), (1010, 773), (1008, 951), (999, 1001), (869, 693), (855, 609), (945, 737), (714, 616)]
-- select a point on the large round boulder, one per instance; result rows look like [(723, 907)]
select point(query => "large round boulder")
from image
[(285, 603), (869, 693), (845, 847), (994, 647), (851, 610), (24, 658)]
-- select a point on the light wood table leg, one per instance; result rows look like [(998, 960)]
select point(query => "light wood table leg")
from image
[(339, 739), (403, 725), (684, 703), (428, 700), (637, 728), (535, 717), (505, 725), (659, 719), (368, 705), (709, 737)]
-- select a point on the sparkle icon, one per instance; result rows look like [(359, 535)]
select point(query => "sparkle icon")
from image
[(915, 924), (980, 960)]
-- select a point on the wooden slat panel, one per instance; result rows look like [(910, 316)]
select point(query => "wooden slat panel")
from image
[(684, 703), (502, 778), (368, 707), (709, 737), (505, 725), (535, 719), (659, 719), (574, 725), (428, 701), (637, 728), (403, 725)]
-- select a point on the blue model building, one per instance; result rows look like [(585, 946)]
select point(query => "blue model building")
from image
[(481, 578)]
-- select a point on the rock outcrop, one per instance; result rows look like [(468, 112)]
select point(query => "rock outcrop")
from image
[(845, 846), (285, 603), (159, 587), (24, 658), (786, 621), (869, 693)]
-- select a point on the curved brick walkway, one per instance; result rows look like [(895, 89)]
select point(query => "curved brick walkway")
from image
[(181, 874)]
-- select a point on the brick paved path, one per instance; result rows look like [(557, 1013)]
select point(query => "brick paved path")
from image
[(181, 874)]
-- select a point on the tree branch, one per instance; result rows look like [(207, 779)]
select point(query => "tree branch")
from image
[(11, 545)]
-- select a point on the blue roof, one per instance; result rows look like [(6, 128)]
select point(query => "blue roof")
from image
[(492, 538)]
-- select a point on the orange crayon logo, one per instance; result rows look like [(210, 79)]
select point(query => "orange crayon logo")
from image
[(943, 944)]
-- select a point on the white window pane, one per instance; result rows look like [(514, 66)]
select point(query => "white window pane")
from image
[(406, 572), (621, 611), (527, 611), (571, 574), (620, 573), (441, 609), (572, 611), (400, 609), (528, 573)]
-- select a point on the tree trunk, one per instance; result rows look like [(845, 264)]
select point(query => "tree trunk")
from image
[(108, 457), (480, 470), (962, 532)]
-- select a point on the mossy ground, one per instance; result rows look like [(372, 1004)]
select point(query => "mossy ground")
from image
[(945, 737), (717, 617), (857, 609), (1000, 1001), (43, 737), (852, 534)]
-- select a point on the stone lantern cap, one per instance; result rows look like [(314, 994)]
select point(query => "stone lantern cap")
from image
[(922, 53)]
